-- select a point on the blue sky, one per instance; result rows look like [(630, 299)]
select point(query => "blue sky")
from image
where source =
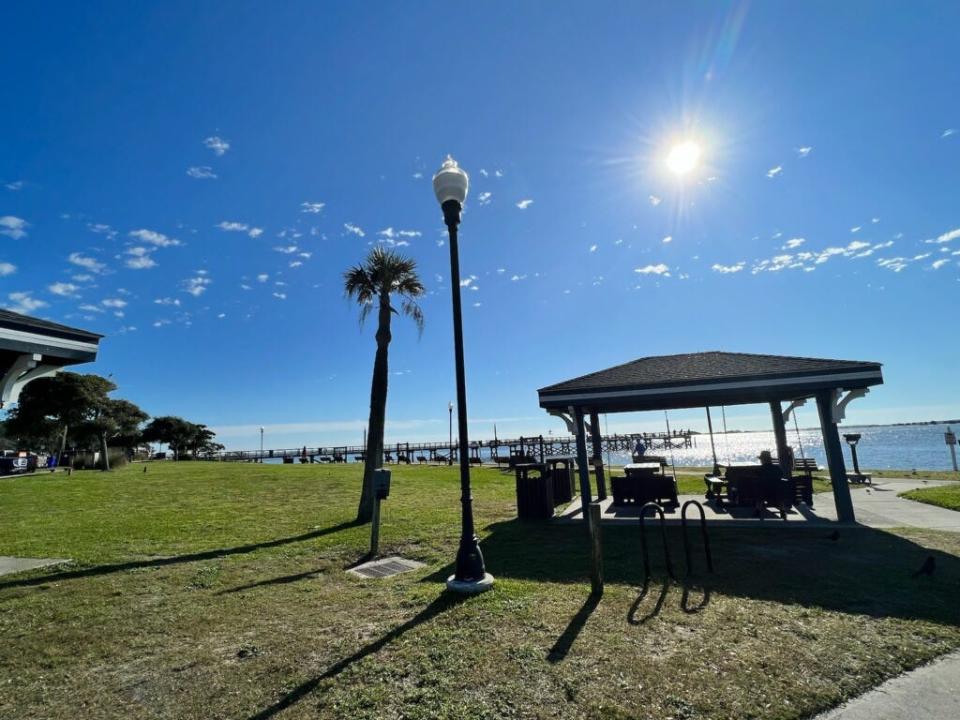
[(192, 179)]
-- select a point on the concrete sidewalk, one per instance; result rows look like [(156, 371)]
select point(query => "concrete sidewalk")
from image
[(10, 565), (878, 506), (927, 693)]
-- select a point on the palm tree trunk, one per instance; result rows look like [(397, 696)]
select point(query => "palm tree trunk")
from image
[(378, 412), (103, 449)]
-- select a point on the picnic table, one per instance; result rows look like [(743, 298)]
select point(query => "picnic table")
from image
[(643, 482)]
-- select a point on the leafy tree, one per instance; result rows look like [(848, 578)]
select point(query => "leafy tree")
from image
[(373, 284), (117, 420), (52, 408), (173, 431)]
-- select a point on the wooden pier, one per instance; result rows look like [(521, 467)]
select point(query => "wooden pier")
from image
[(497, 452)]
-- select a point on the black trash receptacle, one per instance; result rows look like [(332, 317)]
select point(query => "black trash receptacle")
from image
[(534, 492), (561, 472)]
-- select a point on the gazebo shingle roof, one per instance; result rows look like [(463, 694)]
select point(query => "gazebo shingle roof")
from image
[(16, 321), (688, 379)]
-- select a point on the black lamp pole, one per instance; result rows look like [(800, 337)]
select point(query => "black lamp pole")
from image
[(450, 452), (470, 567)]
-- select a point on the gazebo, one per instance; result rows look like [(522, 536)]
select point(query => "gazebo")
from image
[(707, 379), (32, 348)]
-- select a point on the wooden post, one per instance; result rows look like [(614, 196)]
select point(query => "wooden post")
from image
[(597, 443), (375, 528), (596, 552), (583, 466), (831, 443), (780, 433)]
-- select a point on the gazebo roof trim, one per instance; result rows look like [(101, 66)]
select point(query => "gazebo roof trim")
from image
[(703, 367), (26, 323)]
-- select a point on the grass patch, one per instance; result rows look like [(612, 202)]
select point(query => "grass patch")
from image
[(915, 474), (945, 496), (215, 590)]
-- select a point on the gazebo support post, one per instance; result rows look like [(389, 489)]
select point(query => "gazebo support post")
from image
[(582, 465), (834, 450), (780, 433), (597, 447)]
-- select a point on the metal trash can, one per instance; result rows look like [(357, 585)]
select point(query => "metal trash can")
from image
[(534, 492)]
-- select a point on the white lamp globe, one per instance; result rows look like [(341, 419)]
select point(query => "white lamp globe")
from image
[(450, 182)]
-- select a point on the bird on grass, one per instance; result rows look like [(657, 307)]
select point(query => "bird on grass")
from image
[(928, 568), (144, 468), (834, 536)]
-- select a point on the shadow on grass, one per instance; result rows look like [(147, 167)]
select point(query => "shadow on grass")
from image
[(563, 644), (175, 559), (865, 571), (442, 603)]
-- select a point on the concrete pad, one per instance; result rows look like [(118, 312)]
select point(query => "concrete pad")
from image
[(10, 565), (876, 506), (927, 693)]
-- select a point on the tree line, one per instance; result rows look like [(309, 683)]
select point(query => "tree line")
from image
[(72, 410)]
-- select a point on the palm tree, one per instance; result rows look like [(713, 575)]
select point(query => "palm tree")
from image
[(382, 275)]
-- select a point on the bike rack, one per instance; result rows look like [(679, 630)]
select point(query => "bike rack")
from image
[(643, 541), (686, 541)]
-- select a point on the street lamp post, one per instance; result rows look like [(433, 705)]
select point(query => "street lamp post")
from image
[(450, 185), (450, 451), (261, 443)]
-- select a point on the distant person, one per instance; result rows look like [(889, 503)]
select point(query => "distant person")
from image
[(639, 450), (766, 457)]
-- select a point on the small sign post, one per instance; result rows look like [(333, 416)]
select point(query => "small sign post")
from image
[(951, 440), (381, 491)]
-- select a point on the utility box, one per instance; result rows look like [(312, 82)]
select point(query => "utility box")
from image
[(381, 484)]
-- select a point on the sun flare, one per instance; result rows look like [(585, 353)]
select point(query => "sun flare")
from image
[(684, 157)]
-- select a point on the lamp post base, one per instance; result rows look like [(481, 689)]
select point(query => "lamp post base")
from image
[(470, 587)]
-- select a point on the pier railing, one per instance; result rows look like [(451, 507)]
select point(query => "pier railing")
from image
[(493, 451)]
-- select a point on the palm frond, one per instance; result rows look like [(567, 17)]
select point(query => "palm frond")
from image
[(382, 273)]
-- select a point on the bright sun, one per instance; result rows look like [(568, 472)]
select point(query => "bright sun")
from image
[(684, 157)]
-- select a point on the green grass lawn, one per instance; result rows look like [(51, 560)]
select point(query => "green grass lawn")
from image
[(945, 496), (219, 591)]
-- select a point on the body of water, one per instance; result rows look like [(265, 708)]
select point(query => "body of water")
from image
[(907, 447), (882, 448)]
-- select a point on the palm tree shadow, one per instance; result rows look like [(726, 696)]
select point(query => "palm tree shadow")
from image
[(563, 644), (635, 608), (175, 559), (441, 604)]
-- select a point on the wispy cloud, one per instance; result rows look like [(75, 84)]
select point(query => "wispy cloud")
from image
[(15, 185), (667, 239), (86, 262), (658, 269), (228, 226), (389, 236), (14, 227), (63, 289), (167, 301), (793, 243), (196, 285), (524, 204), (202, 172), (937, 264), (484, 198), (7, 269), (948, 132), (354, 229), (803, 151), (654, 200), (154, 238), (593, 248), (217, 144), (313, 208), (116, 303), (24, 302), (727, 269), (945, 238), (774, 171), (139, 258)]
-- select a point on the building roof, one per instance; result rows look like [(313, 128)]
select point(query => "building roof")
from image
[(696, 379), (58, 344), (16, 321)]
